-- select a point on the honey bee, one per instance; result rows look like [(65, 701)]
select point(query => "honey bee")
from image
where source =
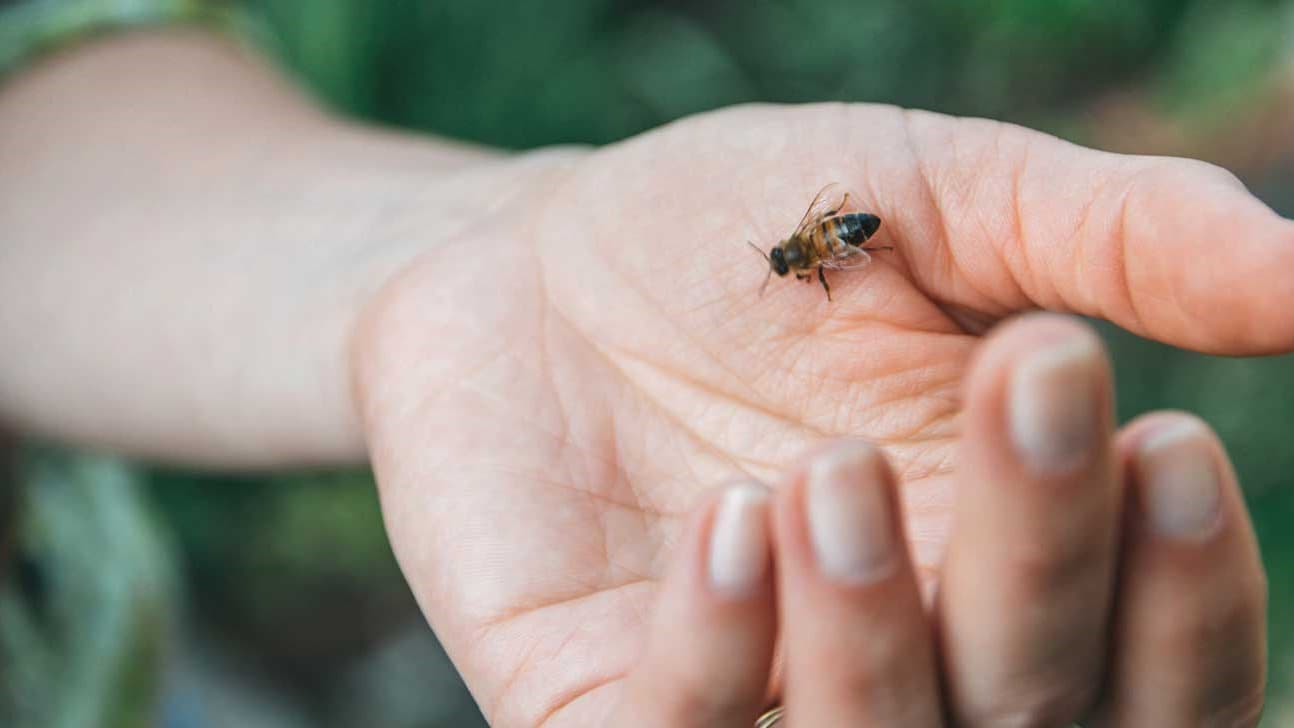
[(824, 239)]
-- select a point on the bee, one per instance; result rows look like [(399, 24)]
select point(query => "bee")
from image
[(824, 239)]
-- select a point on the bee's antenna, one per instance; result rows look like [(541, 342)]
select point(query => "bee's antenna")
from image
[(768, 276)]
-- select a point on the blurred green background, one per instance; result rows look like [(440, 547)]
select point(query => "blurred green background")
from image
[(296, 613)]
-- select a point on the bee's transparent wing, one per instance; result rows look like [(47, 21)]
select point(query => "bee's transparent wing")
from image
[(854, 259), (829, 201)]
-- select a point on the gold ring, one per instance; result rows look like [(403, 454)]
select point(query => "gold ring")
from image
[(771, 718)]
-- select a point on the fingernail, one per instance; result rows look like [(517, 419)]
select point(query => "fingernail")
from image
[(849, 516), (739, 550), (1054, 405), (1179, 479)]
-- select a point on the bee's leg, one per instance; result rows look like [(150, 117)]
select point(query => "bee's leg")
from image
[(799, 276), (843, 201), (823, 277)]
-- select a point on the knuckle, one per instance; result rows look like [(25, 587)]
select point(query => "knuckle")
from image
[(1152, 170), (1208, 169), (1060, 568), (1232, 626), (690, 694), (884, 661), (1242, 712), (1045, 706)]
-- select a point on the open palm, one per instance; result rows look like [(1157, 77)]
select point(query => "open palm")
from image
[(548, 392)]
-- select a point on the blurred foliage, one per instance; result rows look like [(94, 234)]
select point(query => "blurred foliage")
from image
[(1223, 51), (296, 568), (301, 568), (85, 539), (594, 71)]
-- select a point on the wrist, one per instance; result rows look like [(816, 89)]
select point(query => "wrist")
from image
[(451, 215)]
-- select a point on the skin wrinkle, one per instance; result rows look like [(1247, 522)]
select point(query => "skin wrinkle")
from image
[(812, 390), (874, 379), (669, 417), (586, 493), (654, 535), (514, 676), (1071, 294), (609, 355), (1119, 257), (484, 629), (952, 271), (1009, 244), (1018, 242), (909, 475), (880, 380), (557, 650), (680, 422), (1176, 300), (896, 117), (894, 435), (851, 325), (623, 477), (565, 702), (561, 699), (917, 436), (852, 124), (915, 433), (843, 316), (932, 320), (562, 439), (632, 283), (643, 526), (608, 583), (610, 363), (791, 422), (1083, 220), (545, 357), (619, 467), (1073, 291)]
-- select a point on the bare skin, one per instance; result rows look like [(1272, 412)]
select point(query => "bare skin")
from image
[(549, 357)]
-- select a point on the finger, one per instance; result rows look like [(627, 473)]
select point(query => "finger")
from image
[(1190, 632), (707, 659), (1027, 581), (1174, 249), (857, 641)]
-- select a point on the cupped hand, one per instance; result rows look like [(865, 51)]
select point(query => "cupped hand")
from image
[(822, 562), (546, 392)]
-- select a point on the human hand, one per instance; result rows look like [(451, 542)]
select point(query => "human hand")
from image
[(545, 393), (1186, 646)]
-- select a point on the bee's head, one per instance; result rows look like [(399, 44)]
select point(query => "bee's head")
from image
[(777, 261)]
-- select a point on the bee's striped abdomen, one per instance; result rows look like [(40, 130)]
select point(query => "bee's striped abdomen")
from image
[(835, 235), (854, 228)]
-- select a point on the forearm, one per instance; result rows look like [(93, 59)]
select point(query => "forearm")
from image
[(184, 246)]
